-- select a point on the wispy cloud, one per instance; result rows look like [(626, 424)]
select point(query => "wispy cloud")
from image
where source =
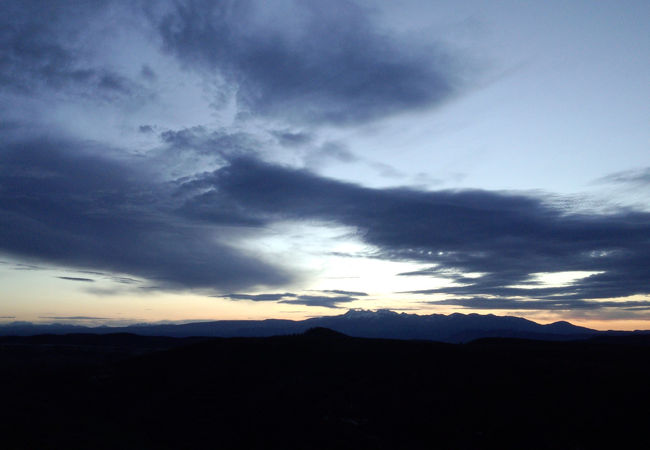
[(513, 304), (351, 293), (74, 318), (86, 280), (632, 177), (260, 297), (328, 301), (320, 300)]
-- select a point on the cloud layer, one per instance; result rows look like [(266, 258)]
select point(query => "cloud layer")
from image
[(323, 63), (45, 47), (506, 238), (176, 216), (327, 301), (64, 203)]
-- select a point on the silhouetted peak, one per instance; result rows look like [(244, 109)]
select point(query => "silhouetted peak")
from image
[(565, 326), (322, 332)]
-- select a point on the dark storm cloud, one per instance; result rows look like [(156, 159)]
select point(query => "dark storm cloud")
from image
[(505, 237), (63, 203), (321, 62), (86, 280), (42, 46)]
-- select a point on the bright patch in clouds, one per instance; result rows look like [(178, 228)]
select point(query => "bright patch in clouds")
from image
[(556, 279)]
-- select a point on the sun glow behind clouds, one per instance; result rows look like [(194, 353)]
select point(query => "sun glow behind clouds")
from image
[(334, 257)]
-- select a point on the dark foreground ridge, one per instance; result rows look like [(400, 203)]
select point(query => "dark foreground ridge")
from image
[(322, 390)]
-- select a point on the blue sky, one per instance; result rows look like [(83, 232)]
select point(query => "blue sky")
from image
[(197, 159)]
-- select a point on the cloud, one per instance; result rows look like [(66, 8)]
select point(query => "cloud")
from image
[(635, 177), (320, 300), (124, 280), (87, 280), (330, 151), (41, 43), (327, 301), (27, 267), (259, 297), (74, 318), (174, 218), (288, 138), (314, 63), (351, 293), (386, 170), (64, 203), (522, 304), (148, 73), (505, 238), (197, 149)]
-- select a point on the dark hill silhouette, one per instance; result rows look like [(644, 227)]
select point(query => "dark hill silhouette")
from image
[(323, 333)]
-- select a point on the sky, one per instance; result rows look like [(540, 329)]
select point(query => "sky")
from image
[(195, 160)]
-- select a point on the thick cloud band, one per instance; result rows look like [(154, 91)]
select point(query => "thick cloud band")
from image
[(334, 65), (507, 238), (61, 204)]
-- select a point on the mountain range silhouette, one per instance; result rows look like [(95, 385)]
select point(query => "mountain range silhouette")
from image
[(386, 324)]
